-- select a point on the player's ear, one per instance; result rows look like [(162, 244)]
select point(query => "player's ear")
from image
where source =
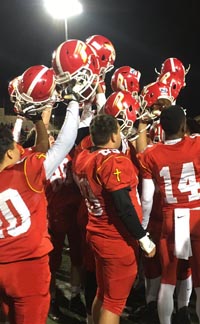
[(113, 137), (9, 153)]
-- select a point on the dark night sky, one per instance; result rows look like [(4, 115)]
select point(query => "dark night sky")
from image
[(144, 33)]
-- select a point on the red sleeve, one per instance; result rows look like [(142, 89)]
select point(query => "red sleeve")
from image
[(34, 171)]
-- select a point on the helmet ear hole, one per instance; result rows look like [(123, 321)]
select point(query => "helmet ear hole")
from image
[(130, 108)]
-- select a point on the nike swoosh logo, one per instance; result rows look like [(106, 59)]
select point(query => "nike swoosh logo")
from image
[(180, 216)]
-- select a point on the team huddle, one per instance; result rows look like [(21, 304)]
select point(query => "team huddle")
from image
[(120, 181)]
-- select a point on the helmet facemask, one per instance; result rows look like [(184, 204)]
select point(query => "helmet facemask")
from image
[(85, 82), (26, 104), (126, 125)]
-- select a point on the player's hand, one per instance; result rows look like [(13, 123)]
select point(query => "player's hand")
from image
[(32, 114), (151, 254), (70, 92), (148, 246), (33, 117)]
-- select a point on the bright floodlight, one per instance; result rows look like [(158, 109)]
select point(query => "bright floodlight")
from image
[(62, 9)]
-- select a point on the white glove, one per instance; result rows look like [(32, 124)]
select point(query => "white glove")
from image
[(146, 244)]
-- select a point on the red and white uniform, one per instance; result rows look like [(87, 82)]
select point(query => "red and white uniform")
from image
[(98, 174), (24, 241), (175, 167), (96, 167), (23, 211), (129, 150), (174, 161), (63, 198), (152, 267)]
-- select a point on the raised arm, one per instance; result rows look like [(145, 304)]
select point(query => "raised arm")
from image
[(65, 140)]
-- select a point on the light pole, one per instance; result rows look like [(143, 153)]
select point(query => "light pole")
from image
[(53, 122), (63, 9), (66, 28)]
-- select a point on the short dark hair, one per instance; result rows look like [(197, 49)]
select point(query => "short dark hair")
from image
[(172, 118), (6, 141), (102, 127)]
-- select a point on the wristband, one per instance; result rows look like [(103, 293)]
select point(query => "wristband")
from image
[(146, 244)]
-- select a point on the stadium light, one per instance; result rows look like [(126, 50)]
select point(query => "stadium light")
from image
[(63, 9)]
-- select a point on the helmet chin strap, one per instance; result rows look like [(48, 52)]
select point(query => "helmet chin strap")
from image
[(188, 68), (122, 135), (33, 109), (158, 73)]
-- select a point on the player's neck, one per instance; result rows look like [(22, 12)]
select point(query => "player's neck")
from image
[(109, 145), (170, 138), (178, 135), (5, 164), (2, 167)]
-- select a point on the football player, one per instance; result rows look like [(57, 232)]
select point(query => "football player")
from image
[(25, 243), (166, 164), (113, 213)]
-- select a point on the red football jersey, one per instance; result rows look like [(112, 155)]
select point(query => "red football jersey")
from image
[(176, 169), (99, 173), (62, 193), (25, 151), (127, 148), (60, 181), (23, 221)]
